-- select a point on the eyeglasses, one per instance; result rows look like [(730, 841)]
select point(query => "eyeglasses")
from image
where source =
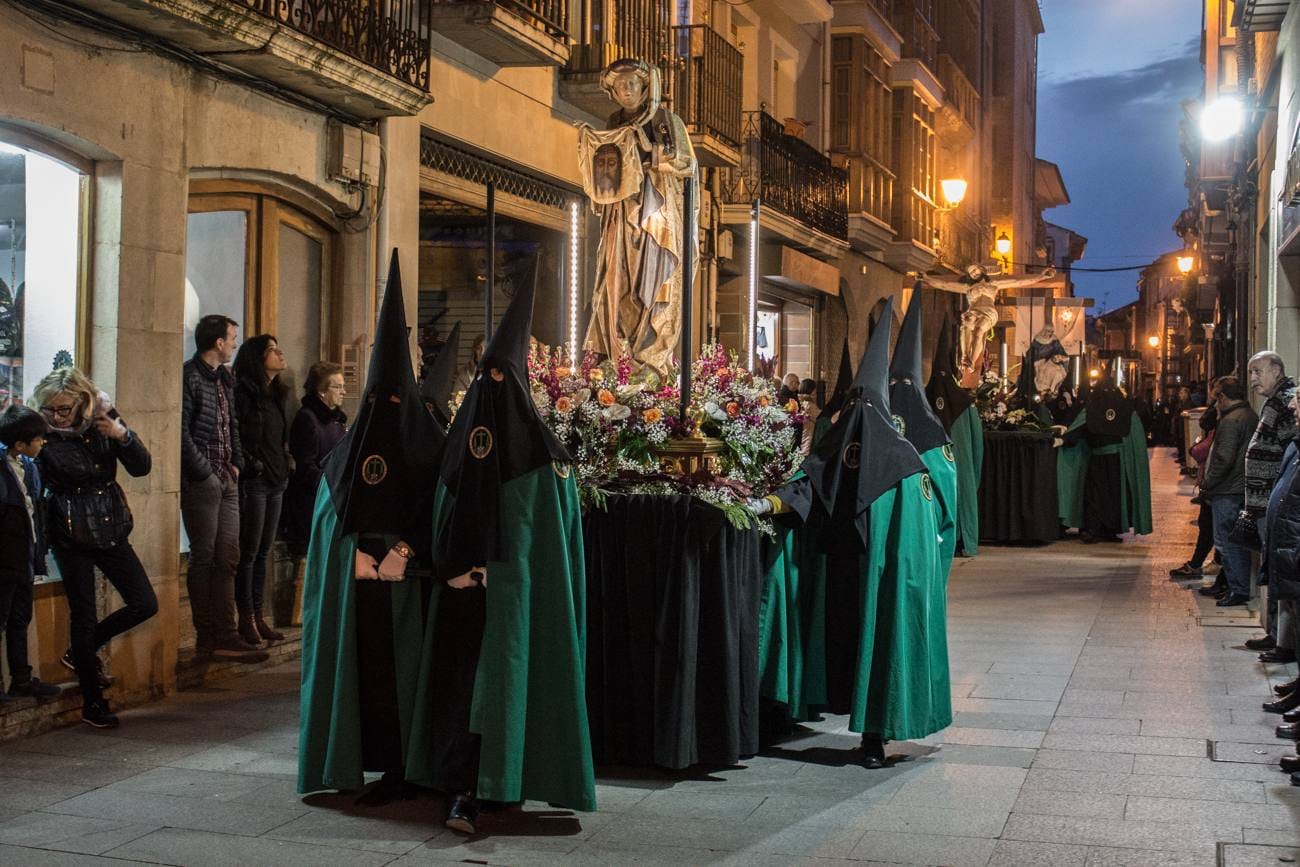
[(59, 411), (338, 387)]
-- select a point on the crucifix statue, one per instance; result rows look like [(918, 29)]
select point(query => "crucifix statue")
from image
[(981, 291)]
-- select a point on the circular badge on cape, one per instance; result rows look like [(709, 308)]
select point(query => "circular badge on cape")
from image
[(926, 486), (853, 455), (947, 452), (900, 425), (480, 442), (561, 469), (939, 402), (1110, 415), (374, 470)]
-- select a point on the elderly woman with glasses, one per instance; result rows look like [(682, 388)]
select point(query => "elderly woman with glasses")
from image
[(89, 523), (316, 429)]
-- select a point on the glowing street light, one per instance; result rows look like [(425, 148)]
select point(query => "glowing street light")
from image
[(1153, 341), (1003, 245), (1185, 264), (1222, 119), (954, 190)]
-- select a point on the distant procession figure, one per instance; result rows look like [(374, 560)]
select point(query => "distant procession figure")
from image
[(634, 173), (981, 290)]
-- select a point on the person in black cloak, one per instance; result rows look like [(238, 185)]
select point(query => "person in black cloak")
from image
[(1108, 415), (362, 616), (440, 378), (843, 380)]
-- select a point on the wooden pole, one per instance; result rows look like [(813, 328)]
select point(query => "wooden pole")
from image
[(689, 236), (491, 260)]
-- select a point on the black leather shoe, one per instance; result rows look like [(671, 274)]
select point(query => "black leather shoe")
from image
[(1286, 688), (462, 814), (1278, 655), (1289, 731), (1286, 703), (1265, 643), (1295, 779), (1291, 716), (873, 751), (1232, 600), (1290, 764), (1212, 591)]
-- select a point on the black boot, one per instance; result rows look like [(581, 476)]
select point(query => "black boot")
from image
[(873, 751), (390, 787), (1286, 688), (1290, 764), (1288, 702), (462, 814)]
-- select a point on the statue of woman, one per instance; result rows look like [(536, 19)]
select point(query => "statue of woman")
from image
[(1051, 361), (981, 290), (634, 173)]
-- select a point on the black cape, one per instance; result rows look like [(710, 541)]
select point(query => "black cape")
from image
[(843, 380), (863, 454), (1109, 412), (497, 436), (435, 390), (907, 398), (948, 398)]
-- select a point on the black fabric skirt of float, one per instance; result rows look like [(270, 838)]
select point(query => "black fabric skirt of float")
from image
[(1018, 497)]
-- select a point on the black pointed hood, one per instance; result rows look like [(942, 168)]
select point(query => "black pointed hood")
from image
[(388, 460), (947, 397), (496, 437), (842, 381), (863, 454), (439, 379), (1109, 411), (906, 395)]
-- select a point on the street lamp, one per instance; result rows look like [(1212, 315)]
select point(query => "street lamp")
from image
[(1185, 264), (954, 191), (1222, 119), (1003, 245), (1153, 341)]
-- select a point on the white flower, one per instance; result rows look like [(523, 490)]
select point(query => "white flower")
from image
[(616, 412)]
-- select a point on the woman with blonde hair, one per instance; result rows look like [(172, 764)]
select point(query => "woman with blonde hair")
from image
[(89, 523)]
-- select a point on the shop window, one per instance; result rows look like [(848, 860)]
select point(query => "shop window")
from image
[(43, 201)]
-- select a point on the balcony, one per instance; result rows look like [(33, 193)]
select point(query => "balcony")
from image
[(870, 202), (706, 90), (609, 30), (959, 115), (507, 32), (804, 197), (363, 58)]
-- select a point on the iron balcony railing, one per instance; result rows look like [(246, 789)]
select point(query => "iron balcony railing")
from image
[(708, 82), (390, 35), (551, 16), (606, 31), (786, 173)]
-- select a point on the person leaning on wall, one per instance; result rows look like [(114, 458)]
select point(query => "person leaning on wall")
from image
[(90, 523)]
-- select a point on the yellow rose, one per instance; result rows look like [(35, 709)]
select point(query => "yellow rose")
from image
[(562, 372), (653, 415), (605, 397), (764, 400), (792, 405), (596, 374)]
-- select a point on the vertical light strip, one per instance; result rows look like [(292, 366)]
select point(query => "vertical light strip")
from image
[(752, 319), (574, 296), (1002, 359)]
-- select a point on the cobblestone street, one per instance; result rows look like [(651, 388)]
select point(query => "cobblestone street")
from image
[(1105, 716)]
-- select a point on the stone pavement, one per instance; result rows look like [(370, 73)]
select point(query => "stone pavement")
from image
[(1105, 716)]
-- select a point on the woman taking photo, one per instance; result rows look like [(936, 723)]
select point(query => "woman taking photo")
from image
[(89, 523), (317, 428), (264, 440)]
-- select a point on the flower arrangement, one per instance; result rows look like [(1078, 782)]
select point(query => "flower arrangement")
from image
[(995, 397), (612, 419)]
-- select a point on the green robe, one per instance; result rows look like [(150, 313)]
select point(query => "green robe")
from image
[(901, 686), (968, 450), (1135, 474), (529, 703), (329, 725)]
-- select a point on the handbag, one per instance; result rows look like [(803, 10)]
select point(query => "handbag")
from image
[(1200, 450), (93, 519), (1245, 532)]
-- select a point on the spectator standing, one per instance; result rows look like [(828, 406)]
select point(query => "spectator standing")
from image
[(90, 523), (1280, 530), (1277, 427), (789, 388), (22, 542), (264, 439), (1223, 486), (1194, 567), (210, 466), (316, 429)]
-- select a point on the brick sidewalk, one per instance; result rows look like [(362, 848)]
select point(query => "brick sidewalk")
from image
[(1101, 720)]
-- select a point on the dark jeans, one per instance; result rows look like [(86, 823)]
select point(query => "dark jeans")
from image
[(1204, 535), (15, 617), (1236, 558), (210, 509), (259, 518), (123, 570)]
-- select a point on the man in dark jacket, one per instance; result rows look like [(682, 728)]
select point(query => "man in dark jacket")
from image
[(210, 465), (22, 541), (1224, 484)]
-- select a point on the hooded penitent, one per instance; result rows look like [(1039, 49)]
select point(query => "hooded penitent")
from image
[(377, 485), (862, 455), (439, 380), (1107, 426), (907, 399), (956, 411), (1109, 411), (506, 500), (843, 380)]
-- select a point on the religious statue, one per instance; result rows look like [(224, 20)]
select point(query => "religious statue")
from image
[(634, 172), (1051, 362), (981, 290)]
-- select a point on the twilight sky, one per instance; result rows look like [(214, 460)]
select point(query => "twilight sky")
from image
[(1111, 75)]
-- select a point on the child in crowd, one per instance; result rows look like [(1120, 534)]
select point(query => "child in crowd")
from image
[(22, 542)]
